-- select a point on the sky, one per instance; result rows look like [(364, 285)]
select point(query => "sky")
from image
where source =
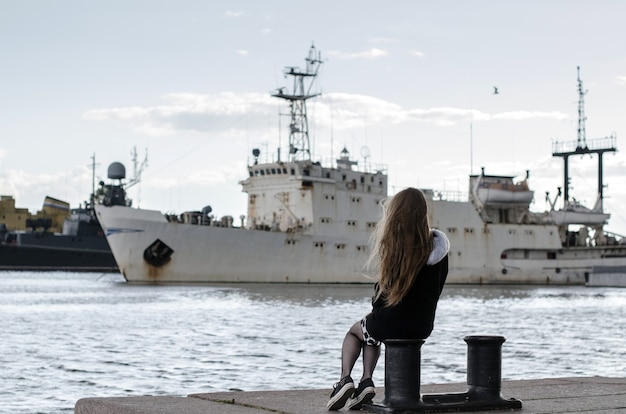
[(410, 83)]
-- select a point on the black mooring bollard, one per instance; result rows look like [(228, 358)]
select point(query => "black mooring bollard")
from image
[(484, 366), (484, 380), (402, 372)]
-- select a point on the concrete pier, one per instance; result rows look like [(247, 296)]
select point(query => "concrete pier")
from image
[(551, 395)]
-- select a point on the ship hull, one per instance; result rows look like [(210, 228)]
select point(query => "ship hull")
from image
[(57, 252), (56, 238), (204, 254), (480, 254)]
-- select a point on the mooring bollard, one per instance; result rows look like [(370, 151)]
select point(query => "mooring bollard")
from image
[(484, 366), (403, 372), (403, 376)]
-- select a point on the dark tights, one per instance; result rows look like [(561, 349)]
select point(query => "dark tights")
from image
[(351, 349)]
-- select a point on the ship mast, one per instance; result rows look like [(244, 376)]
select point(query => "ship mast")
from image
[(582, 133), (299, 144), (597, 146), (92, 199)]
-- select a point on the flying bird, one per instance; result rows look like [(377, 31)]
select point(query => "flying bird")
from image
[(495, 90)]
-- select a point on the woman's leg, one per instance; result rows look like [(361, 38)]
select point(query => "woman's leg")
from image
[(351, 349), (370, 359)]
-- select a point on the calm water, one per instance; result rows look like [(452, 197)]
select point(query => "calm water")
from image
[(65, 336)]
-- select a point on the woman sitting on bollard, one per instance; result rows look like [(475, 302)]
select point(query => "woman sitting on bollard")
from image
[(413, 265)]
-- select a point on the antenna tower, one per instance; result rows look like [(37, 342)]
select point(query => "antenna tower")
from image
[(582, 133), (92, 198), (137, 170), (303, 80), (596, 146)]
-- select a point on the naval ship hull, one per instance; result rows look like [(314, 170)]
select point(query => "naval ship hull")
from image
[(48, 252)]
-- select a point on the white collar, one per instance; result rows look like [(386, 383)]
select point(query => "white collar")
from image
[(441, 246)]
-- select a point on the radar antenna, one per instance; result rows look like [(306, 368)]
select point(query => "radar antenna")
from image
[(303, 80)]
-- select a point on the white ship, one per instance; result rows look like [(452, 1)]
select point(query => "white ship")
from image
[(307, 223)]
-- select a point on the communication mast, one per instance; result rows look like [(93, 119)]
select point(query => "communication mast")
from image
[(303, 80), (597, 146), (582, 133)]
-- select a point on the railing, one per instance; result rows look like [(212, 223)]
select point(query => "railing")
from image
[(362, 164), (594, 145), (455, 196)]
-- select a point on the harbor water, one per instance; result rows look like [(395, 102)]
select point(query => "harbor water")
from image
[(65, 336)]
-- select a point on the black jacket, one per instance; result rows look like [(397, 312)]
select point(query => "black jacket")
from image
[(414, 316)]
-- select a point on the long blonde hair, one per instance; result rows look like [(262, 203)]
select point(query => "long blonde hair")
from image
[(402, 242)]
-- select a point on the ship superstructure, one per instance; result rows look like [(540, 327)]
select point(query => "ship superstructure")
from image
[(305, 222)]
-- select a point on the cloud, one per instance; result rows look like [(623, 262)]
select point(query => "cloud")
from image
[(417, 53), (621, 80), (445, 116), (351, 111), (29, 189), (372, 53), (193, 113), (240, 112), (525, 115), (359, 110), (242, 52), (217, 174), (233, 14)]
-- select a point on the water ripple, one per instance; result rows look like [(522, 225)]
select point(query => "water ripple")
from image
[(67, 336)]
